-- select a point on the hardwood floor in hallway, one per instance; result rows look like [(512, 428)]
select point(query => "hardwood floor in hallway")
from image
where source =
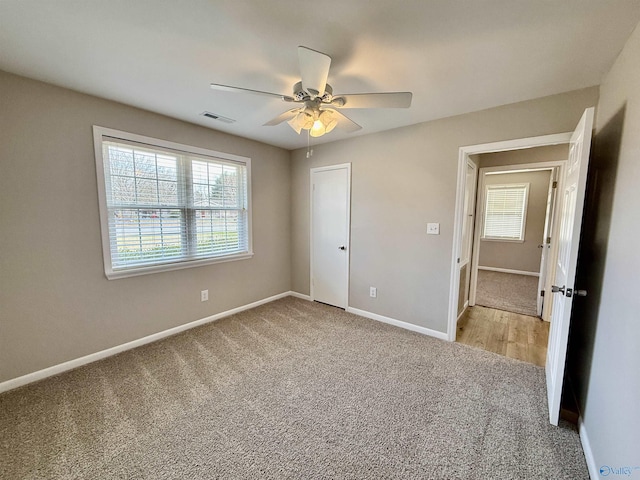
[(510, 334)]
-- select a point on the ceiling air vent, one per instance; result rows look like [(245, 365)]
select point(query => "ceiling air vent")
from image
[(215, 116)]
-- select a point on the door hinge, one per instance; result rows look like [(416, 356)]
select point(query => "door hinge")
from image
[(548, 240), (542, 293), (554, 184)]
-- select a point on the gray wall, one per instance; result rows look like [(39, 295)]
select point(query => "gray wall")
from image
[(604, 358), (402, 179), (55, 302), (524, 256)]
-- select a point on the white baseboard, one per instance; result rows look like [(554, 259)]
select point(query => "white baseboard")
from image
[(594, 472), (78, 362), (508, 270), (464, 309), (398, 323), (301, 295)]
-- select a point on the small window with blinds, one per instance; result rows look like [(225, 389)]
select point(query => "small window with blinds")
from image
[(505, 212), (165, 206)]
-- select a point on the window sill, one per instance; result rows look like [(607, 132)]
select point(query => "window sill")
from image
[(137, 271), (506, 240)]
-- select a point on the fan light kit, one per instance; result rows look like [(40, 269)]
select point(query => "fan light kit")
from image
[(318, 112)]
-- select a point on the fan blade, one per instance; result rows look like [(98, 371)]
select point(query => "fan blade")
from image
[(283, 117), (227, 88), (344, 122), (314, 70), (373, 100)]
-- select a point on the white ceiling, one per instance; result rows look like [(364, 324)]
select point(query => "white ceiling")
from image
[(456, 56)]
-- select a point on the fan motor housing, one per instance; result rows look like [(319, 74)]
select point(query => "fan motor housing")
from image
[(299, 94)]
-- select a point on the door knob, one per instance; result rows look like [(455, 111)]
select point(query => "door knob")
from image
[(342, 247), (569, 291)]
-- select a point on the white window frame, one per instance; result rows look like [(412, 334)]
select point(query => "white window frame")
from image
[(99, 133), (485, 212)]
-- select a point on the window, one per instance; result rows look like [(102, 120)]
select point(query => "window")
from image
[(505, 212), (165, 206)]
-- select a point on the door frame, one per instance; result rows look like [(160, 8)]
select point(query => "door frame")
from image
[(313, 170), (463, 155), (469, 254), (475, 257), (550, 231)]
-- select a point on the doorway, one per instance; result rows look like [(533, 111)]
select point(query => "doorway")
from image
[(512, 247), (514, 218), (512, 234), (330, 226), (572, 187), (470, 154)]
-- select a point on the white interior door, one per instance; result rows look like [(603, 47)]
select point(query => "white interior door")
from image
[(467, 225), (330, 208), (571, 201), (546, 239)]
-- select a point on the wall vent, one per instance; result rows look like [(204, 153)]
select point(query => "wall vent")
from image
[(215, 116)]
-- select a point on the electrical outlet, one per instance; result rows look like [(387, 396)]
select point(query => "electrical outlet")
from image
[(433, 229), (204, 295), (373, 292)]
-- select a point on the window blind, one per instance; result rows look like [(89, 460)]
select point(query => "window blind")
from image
[(505, 211), (167, 206)]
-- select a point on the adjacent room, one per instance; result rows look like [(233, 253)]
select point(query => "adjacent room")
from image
[(503, 306), (295, 239)]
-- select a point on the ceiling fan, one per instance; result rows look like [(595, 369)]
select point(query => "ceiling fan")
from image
[(317, 106)]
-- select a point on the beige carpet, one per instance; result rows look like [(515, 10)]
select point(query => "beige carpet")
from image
[(507, 291), (291, 389)]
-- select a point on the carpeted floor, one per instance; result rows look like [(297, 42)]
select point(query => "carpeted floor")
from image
[(507, 291), (291, 389)]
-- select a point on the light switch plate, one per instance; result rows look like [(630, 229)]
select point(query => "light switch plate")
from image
[(433, 229)]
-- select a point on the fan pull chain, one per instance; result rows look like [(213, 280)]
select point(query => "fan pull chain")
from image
[(309, 149)]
